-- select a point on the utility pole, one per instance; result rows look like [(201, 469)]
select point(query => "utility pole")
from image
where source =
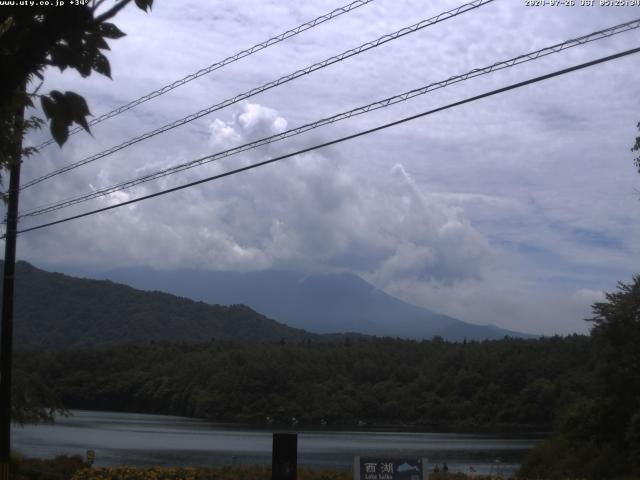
[(6, 326)]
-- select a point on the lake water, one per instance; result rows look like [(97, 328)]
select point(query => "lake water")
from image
[(147, 440)]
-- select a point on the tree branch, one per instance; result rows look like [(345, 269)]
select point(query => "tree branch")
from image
[(112, 11), (97, 4)]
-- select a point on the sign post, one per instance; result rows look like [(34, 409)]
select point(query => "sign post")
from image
[(399, 468), (284, 459), (91, 456)]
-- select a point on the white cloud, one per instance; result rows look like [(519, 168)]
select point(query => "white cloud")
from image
[(311, 212), (507, 211)]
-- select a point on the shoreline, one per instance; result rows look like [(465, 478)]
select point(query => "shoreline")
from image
[(497, 429)]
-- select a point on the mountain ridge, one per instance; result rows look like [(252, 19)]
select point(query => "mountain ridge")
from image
[(321, 303), (55, 311)]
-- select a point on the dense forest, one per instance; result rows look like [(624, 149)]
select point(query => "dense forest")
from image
[(492, 384)]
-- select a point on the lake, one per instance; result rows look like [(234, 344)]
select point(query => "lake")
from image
[(148, 440)]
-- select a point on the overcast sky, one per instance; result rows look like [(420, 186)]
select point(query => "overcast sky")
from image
[(517, 210)]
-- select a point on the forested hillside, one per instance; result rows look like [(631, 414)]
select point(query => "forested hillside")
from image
[(494, 384), (55, 311), (156, 353)]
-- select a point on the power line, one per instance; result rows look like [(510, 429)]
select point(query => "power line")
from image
[(340, 140), (215, 66), (275, 83), (615, 30)]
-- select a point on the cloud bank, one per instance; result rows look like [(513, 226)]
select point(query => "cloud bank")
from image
[(517, 210)]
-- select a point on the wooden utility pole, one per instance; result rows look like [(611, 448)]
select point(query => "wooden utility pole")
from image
[(6, 327)]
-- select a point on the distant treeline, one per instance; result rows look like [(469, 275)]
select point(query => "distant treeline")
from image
[(493, 384)]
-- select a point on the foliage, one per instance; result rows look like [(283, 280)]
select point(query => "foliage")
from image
[(493, 384), (200, 473), (13, 127), (32, 38), (59, 468), (34, 399), (599, 435), (38, 36)]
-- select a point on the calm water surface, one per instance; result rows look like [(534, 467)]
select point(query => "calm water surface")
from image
[(147, 440)]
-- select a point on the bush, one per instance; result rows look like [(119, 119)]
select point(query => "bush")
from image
[(225, 473), (59, 468)]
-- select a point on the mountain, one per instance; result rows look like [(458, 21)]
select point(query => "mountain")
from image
[(54, 311), (320, 303)]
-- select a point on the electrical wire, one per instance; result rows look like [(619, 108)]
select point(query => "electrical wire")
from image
[(606, 33), (275, 83), (215, 66), (339, 140)]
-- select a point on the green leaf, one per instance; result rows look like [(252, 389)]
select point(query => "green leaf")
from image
[(101, 65), (82, 121), (78, 109), (56, 95), (77, 102), (62, 56), (109, 30), (84, 64), (99, 42), (59, 131), (63, 109), (49, 107), (34, 122), (144, 4), (29, 151), (60, 111)]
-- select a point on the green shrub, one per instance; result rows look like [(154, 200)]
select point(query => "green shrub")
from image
[(59, 468), (225, 473)]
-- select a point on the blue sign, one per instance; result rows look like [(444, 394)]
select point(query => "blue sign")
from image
[(374, 468)]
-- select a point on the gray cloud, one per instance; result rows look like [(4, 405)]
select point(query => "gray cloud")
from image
[(507, 211), (311, 212)]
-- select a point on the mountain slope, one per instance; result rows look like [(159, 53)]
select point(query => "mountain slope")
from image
[(54, 311), (319, 303)]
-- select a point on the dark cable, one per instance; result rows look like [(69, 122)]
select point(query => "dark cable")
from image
[(332, 119), (233, 58), (267, 86), (342, 139)]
